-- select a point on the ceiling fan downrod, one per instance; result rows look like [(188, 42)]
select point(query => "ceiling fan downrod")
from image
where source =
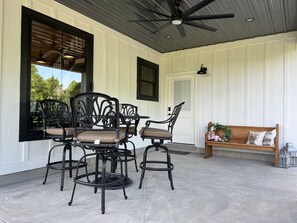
[(177, 20)]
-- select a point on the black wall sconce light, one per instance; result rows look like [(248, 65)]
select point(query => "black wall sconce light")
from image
[(202, 70)]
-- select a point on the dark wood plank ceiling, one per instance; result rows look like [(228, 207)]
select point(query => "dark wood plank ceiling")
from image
[(270, 17)]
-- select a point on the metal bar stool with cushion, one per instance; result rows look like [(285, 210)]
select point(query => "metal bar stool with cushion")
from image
[(130, 118), (157, 137), (97, 115), (58, 127)]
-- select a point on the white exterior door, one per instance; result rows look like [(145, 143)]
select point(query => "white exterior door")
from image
[(181, 88)]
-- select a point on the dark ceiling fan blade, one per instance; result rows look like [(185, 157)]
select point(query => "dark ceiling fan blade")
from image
[(199, 25), (172, 7), (158, 13), (161, 27), (181, 30), (206, 17), (149, 20), (142, 8), (196, 7)]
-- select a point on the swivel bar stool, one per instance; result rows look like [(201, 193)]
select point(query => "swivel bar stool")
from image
[(58, 127), (97, 129), (157, 137), (130, 118)]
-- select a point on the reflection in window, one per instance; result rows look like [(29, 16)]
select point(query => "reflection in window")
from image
[(51, 83), (56, 64)]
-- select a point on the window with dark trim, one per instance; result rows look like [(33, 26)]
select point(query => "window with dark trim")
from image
[(147, 80), (56, 63)]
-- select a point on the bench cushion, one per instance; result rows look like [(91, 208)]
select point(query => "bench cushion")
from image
[(256, 138), (269, 138)]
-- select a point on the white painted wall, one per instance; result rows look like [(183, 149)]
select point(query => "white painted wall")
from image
[(114, 74), (248, 82)]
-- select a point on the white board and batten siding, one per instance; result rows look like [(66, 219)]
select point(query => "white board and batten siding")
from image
[(248, 82)]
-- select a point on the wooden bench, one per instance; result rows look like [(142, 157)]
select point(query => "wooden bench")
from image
[(239, 136)]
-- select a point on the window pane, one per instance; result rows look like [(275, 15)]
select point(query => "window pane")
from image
[(147, 89), (56, 63), (182, 92), (55, 55), (147, 80), (147, 74)]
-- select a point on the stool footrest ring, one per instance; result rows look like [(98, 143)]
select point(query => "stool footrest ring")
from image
[(58, 165), (157, 168)]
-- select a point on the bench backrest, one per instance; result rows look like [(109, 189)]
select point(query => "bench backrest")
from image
[(239, 134)]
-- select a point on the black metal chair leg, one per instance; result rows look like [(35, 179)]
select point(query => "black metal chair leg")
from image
[(171, 180), (45, 177), (76, 175), (103, 200), (143, 165), (141, 178), (134, 152), (85, 160), (122, 174), (63, 167), (126, 162), (168, 166), (47, 165), (69, 147), (72, 196), (103, 181), (97, 170), (136, 165)]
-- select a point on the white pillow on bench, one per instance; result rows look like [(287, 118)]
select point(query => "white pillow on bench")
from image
[(256, 138), (269, 138)]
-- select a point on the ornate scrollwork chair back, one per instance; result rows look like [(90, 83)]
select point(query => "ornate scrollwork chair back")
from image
[(94, 112), (56, 114), (130, 120), (131, 113)]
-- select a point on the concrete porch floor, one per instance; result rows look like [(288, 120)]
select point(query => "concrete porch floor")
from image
[(214, 190)]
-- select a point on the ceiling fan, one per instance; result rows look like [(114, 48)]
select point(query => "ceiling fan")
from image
[(179, 17)]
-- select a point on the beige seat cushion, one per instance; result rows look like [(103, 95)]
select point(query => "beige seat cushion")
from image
[(103, 136), (155, 133), (59, 131)]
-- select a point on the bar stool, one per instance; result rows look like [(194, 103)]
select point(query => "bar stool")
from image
[(157, 137), (58, 127), (130, 118), (97, 129)]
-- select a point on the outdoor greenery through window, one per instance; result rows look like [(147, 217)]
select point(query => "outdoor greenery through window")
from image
[(54, 83), (56, 64)]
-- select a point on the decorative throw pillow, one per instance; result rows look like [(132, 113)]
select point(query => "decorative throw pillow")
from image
[(256, 138), (269, 138)]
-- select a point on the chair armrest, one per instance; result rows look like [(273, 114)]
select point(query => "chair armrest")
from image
[(148, 122)]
